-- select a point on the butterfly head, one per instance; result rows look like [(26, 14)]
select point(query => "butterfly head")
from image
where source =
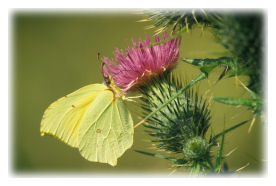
[(117, 92), (109, 82)]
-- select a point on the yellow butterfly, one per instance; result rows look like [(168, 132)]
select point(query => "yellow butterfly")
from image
[(93, 119)]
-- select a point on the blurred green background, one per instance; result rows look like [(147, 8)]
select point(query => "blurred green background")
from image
[(56, 53)]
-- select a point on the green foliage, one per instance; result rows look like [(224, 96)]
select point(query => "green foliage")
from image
[(207, 65), (181, 126), (254, 104), (177, 118), (242, 35), (231, 69)]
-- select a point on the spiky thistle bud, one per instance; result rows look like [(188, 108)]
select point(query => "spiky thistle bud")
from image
[(183, 119)]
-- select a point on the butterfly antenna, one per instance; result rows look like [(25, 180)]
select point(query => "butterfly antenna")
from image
[(100, 62), (106, 79)]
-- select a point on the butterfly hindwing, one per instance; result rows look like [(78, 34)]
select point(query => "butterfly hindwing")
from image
[(106, 131)]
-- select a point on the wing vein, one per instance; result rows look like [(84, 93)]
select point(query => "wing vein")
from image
[(121, 121), (85, 132)]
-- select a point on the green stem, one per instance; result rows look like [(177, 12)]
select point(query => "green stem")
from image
[(197, 79), (177, 161), (229, 129)]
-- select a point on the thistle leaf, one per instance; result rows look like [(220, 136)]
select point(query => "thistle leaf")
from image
[(235, 101), (252, 103), (207, 65)]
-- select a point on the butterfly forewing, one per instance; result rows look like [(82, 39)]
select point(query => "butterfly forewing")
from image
[(63, 117)]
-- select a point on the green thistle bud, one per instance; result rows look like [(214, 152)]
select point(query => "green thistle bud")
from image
[(182, 119), (196, 148)]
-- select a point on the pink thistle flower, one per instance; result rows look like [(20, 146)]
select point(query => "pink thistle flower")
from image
[(140, 62)]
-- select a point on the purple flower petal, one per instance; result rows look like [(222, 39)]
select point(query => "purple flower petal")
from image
[(140, 62)]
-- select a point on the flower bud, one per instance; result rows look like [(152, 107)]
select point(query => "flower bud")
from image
[(196, 148)]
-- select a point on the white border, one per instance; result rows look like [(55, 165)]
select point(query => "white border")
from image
[(5, 82)]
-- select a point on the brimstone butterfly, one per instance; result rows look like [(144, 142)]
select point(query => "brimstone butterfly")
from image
[(93, 119)]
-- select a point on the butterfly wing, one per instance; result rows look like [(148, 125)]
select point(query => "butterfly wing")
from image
[(106, 131), (62, 118)]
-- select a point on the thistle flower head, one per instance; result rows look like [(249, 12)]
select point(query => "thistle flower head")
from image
[(141, 61)]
